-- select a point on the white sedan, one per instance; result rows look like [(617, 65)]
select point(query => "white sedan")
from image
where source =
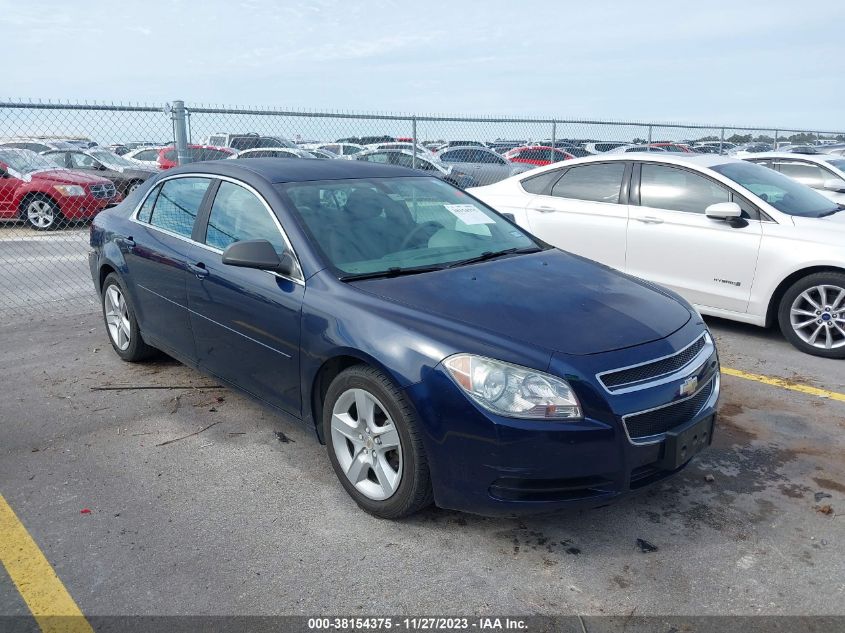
[(823, 172), (736, 239)]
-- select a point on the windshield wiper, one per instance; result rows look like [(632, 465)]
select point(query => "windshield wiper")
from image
[(831, 212), (493, 255), (391, 272)]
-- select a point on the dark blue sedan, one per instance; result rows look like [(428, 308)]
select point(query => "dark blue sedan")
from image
[(440, 352)]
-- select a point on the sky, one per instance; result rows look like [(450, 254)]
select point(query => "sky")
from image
[(745, 62)]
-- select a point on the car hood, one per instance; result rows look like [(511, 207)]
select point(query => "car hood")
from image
[(66, 177), (552, 299), (835, 222), (135, 172)]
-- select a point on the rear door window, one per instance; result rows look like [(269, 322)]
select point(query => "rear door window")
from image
[(177, 205), (594, 183), (808, 174)]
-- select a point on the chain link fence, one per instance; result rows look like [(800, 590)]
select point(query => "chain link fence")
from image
[(60, 164)]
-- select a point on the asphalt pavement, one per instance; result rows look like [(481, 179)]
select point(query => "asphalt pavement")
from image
[(247, 517)]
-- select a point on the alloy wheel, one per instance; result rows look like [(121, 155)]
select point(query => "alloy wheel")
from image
[(366, 444), (40, 214), (817, 316), (117, 317)]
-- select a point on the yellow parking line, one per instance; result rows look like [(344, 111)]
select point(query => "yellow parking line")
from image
[(39, 586), (785, 384)]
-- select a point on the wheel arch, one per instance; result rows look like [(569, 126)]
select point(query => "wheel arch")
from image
[(106, 268), (786, 283), (324, 376)]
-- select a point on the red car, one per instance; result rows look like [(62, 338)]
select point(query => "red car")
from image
[(168, 157), (45, 195), (536, 155), (678, 148)]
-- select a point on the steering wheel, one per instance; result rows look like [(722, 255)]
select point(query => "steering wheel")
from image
[(418, 229)]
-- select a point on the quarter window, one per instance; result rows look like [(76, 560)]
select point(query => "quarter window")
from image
[(665, 187), (236, 215), (541, 184), (146, 210), (595, 183), (177, 205)]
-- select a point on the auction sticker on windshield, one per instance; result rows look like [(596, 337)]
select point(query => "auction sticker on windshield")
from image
[(469, 214)]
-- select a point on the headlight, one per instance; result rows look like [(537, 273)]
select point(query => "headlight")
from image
[(70, 190), (513, 391)]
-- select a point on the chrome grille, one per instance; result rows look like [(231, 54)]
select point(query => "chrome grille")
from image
[(103, 191), (657, 421), (622, 378)]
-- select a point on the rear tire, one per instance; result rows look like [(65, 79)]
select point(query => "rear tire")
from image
[(132, 186), (811, 314), (121, 324), (377, 454)]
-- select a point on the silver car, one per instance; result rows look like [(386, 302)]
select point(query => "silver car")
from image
[(484, 165)]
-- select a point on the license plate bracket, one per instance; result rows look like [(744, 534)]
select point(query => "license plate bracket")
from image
[(684, 443)]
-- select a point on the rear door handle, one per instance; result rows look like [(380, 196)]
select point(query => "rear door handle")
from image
[(649, 219), (545, 209), (199, 270), (128, 242)]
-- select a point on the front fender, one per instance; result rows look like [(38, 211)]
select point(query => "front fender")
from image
[(339, 320)]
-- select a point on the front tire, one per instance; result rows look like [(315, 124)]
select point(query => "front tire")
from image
[(811, 314), (121, 324), (374, 445), (41, 213)]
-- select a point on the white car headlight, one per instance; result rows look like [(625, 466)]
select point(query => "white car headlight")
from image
[(513, 391), (70, 190)]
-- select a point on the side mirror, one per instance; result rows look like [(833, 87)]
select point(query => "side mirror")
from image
[(258, 254), (723, 211), (835, 184)]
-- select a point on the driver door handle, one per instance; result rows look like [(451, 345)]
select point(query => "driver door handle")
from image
[(545, 209), (649, 219), (199, 270)]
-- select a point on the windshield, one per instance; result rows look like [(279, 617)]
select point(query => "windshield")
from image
[(783, 193), (839, 163), (389, 225), (25, 161), (112, 160)]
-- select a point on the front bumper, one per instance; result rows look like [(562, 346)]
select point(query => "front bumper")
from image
[(491, 465), (84, 207)]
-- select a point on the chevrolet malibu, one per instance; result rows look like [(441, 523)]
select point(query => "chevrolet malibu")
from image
[(441, 353)]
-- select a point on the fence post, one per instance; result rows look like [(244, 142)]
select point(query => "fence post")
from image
[(776, 140), (554, 140), (414, 141), (721, 140), (180, 132), (649, 139)]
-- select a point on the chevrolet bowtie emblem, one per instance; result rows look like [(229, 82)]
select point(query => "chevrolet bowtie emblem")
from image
[(689, 386)]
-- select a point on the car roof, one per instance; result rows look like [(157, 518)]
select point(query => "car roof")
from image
[(699, 160), (282, 170), (812, 158), (472, 147)]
